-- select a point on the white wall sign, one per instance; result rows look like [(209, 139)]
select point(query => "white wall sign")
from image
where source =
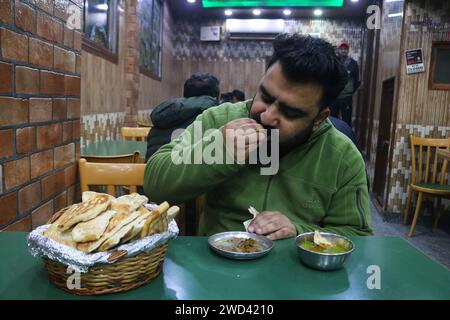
[(414, 61), (211, 33)]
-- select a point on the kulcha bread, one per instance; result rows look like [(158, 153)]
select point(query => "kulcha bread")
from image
[(84, 211), (93, 229), (138, 224), (157, 220), (115, 224), (133, 200), (64, 237), (101, 222), (88, 195)]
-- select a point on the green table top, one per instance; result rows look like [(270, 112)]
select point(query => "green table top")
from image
[(192, 271), (114, 148)]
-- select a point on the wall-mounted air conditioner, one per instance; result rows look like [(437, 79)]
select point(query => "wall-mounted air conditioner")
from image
[(263, 29)]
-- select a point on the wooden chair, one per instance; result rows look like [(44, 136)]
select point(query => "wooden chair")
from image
[(111, 175), (423, 179), (144, 124), (124, 158), (134, 133)]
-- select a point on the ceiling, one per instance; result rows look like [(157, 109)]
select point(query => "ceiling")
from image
[(195, 11)]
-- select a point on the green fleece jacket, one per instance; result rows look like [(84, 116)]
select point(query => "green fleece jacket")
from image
[(319, 185)]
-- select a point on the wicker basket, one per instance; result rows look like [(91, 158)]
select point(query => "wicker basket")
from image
[(122, 275)]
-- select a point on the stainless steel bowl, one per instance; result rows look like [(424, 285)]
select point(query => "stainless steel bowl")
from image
[(216, 242), (323, 261)]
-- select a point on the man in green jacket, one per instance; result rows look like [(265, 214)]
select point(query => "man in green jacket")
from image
[(317, 182)]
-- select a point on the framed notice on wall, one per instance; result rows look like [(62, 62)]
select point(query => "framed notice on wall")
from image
[(414, 61)]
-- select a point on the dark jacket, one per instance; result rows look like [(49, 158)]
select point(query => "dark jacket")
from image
[(174, 114), (353, 82)]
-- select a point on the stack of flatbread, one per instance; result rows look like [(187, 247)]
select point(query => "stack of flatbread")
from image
[(101, 222)]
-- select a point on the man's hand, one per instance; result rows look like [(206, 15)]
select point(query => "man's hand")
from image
[(242, 136), (273, 224)]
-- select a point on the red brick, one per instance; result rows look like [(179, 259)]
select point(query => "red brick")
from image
[(27, 80), (26, 139), (25, 17), (23, 225), (49, 29), (49, 135), (6, 11), (59, 109), (46, 5), (78, 64), (29, 197), (64, 155), (40, 110), (73, 108), (71, 191), (16, 172), (71, 175), (60, 201), (14, 46), (77, 148), (67, 131), (72, 86), (5, 77), (68, 37), (6, 143), (41, 215), (51, 83), (52, 184), (76, 129), (41, 53), (77, 41), (64, 60), (13, 111), (8, 203), (41, 163)]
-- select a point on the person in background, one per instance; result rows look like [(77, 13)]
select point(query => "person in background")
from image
[(225, 97), (200, 92), (343, 104), (237, 95)]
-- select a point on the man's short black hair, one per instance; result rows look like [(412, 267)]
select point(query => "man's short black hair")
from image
[(201, 84), (238, 94), (305, 59)]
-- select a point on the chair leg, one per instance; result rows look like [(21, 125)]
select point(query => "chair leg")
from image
[(416, 214), (408, 206), (438, 214)]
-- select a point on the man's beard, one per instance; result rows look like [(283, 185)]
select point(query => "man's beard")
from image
[(291, 143)]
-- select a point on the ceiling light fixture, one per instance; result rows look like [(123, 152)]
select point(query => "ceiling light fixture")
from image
[(228, 12), (354, 0), (318, 12), (287, 12), (256, 12), (398, 14), (191, 1)]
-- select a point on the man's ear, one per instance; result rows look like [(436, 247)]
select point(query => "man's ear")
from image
[(321, 117)]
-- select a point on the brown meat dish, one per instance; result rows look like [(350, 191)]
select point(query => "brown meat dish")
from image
[(240, 245)]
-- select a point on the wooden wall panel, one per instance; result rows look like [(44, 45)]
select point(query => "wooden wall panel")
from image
[(103, 82)]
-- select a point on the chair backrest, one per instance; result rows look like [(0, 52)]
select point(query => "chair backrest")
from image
[(124, 158), (144, 124), (422, 170), (134, 133), (111, 175)]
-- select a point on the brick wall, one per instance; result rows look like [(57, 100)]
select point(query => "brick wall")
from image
[(39, 110), (132, 64)]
